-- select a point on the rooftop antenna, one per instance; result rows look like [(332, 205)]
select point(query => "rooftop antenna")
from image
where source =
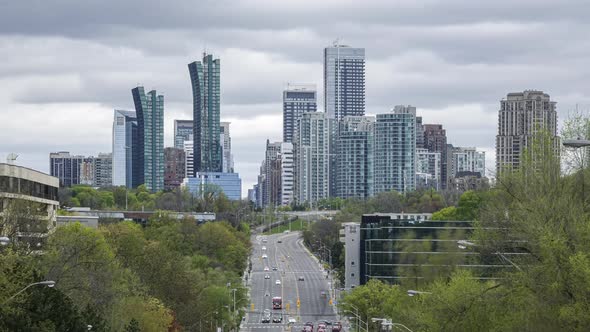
[(336, 42), (11, 158)]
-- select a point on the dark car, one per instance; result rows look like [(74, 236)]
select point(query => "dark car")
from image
[(277, 318), (301, 278), (274, 268)]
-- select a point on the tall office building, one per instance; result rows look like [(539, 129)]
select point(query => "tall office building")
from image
[(312, 158), (297, 99), (149, 109), (522, 116), (65, 167), (276, 175), (467, 159), (183, 129), (125, 149), (428, 168), (189, 158), (354, 171), (395, 150), (435, 140), (419, 133), (174, 170), (225, 142), (103, 170), (205, 82), (344, 81)]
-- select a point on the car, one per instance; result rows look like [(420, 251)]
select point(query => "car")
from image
[(266, 276), (264, 240), (274, 268), (278, 282), (277, 318), (265, 256), (323, 294), (321, 325), (263, 248), (279, 241), (267, 294), (266, 268), (266, 316), (292, 320), (301, 278)]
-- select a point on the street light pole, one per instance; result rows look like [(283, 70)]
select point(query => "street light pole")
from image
[(463, 244), (48, 283), (576, 144)]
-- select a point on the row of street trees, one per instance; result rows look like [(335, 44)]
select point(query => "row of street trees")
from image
[(169, 276)]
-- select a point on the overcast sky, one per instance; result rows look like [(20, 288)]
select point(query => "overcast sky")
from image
[(65, 65)]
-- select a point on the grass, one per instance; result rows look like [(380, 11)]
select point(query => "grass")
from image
[(297, 225)]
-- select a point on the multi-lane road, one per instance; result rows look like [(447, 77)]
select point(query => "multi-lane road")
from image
[(293, 262)]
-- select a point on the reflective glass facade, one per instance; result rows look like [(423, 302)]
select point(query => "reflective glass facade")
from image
[(150, 123), (205, 80), (395, 150)]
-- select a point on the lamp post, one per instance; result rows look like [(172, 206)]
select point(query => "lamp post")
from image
[(359, 321), (576, 144), (412, 292), (463, 244), (48, 283)]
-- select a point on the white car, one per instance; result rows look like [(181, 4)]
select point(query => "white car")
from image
[(266, 276), (263, 248), (265, 256), (266, 269), (278, 282)]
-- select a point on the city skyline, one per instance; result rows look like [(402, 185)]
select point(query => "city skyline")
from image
[(420, 66)]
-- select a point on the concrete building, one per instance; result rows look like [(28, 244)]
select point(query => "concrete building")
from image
[(350, 235), (297, 99), (174, 168), (66, 168), (225, 142), (467, 159), (149, 109), (276, 175), (228, 183), (205, 80), (189, 158), (103, 170), (522, 117), (463, 181), (435, 140), (355, 163), (428, 168), (39, 193), (183, 130), (312, 158), (125, 149), (395, 150), (344, 81)]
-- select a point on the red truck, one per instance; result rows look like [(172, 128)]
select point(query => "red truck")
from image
[(277, 302)]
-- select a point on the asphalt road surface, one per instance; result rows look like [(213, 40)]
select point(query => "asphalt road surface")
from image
[(292, 261)]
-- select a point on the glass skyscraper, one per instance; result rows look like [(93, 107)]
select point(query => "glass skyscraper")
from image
[(150, 123), (205, 82), (354, 171), (395, 150), (124, 146), (344, 81)]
